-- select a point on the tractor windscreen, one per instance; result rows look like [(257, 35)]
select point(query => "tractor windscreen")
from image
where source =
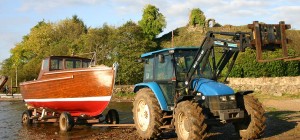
[(184, 60)]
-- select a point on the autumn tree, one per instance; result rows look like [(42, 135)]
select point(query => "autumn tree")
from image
[(153, 22), (197, 17)]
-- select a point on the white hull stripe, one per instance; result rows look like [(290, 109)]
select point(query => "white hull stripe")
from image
[(101, 98)]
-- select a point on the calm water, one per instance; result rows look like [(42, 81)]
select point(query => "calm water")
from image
[(12, 128)]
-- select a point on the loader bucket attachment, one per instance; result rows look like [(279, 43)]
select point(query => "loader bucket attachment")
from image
[(270, 37)]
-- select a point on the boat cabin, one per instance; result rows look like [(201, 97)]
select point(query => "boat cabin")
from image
[(54, 63)]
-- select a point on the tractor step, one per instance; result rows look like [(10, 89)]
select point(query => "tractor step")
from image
[(166, 127), (168, 117)]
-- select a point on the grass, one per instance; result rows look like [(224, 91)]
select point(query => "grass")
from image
[(285, 96), (125, 94), (183, 36)]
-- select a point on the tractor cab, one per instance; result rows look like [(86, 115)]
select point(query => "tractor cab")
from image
[(168, 69)]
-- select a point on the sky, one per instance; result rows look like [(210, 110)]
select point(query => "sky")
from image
[(17, 17)]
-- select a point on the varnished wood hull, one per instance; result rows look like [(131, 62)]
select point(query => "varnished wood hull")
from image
[(84, 91)]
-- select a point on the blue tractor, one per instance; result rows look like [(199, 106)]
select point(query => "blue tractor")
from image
[(181, 88)]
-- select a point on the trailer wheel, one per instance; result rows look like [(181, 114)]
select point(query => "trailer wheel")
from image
[(189, 121), (147, 114), (112, 117), (253, 126), (66, 121), (26, 117)]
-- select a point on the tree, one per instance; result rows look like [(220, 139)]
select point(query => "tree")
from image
[(197, 17), (129, 43), (99, 40), (45, 39), (152, 22)]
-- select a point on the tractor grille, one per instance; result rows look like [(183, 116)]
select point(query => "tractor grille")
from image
[(215, 103)]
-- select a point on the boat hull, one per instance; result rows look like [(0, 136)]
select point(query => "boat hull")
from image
[(83, 91)]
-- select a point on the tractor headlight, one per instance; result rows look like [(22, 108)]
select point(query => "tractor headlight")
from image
[(232, 97), (223, 98)]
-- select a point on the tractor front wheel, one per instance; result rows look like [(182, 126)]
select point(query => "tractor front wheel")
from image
[(147, 114), (253, 126), (189, 121)]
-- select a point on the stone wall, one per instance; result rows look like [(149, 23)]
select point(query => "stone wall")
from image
[(123, 88), (274, 86), (267, 85)]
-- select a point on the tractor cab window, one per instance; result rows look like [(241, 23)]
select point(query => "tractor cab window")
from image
[(184, 60), (56, 64), (164, 69), (148, 69)]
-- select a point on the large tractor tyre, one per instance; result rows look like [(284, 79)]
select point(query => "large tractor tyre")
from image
[(189, 121), (26, 117), (147, 114), (66, 122), (253, 126)]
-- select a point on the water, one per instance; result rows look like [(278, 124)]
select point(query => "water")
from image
[(12, 128)]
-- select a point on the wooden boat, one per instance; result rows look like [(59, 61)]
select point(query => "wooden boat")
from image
[(70, 84)]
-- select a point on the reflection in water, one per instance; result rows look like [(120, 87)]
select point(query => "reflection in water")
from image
[(12, 128)]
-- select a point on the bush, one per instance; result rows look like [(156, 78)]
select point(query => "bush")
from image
[(247, 66)]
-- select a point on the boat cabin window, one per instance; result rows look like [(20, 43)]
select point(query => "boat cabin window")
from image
[(45, 64), (73, 63), (56, 64), (85, 64)]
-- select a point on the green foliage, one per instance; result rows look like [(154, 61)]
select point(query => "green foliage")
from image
[(70, 36), (125, 44), (152, 22), (197, 17), (247, 66), (129, 43)]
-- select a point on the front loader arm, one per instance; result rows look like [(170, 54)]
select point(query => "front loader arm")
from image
[(262, 37)]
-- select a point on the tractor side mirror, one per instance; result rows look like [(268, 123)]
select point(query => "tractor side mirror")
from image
[(161, 58), (139, 60)]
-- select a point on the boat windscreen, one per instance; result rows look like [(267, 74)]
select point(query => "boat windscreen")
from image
[(73, 63), (56, 64)]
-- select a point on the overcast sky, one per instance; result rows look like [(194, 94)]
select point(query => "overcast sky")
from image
[(19, 16)]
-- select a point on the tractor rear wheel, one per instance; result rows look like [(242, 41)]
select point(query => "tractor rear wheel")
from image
[(189, 121), (253, 126), (147, 114)]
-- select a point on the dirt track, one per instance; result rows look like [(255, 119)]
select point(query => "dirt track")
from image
[(283, 122)]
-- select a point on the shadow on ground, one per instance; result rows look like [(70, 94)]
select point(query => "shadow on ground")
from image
[(279, 122)]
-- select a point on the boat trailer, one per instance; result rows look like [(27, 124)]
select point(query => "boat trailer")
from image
[(67, 122)]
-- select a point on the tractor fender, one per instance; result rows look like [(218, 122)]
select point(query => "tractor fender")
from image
[(157, 92), (244, 92)]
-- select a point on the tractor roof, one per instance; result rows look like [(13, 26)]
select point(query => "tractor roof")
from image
[(166, 50)]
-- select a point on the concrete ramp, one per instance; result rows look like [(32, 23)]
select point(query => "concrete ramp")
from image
[(3, 80)]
